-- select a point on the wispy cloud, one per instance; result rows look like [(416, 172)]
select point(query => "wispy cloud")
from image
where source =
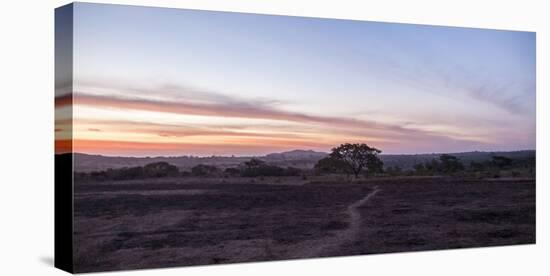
[(498, 97), (173, 130), (169, 92), (225, 109), (148, 148), (328, 130), (510, 95)]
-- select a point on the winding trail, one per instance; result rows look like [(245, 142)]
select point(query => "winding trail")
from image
[(355, 215), (323, 247)]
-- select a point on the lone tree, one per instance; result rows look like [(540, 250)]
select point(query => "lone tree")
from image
[(358, 157), (332, 165)]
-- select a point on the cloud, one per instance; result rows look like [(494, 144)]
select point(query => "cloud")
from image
[(135, 148), (499, 96), (510, 95), (351, 127), (172, 130), (303, 130), (238, 110), (169, 92)]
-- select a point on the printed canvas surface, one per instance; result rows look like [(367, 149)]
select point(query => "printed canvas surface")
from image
[(202, 137)]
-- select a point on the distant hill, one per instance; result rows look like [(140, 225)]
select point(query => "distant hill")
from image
[(296, 158), (296, 155)]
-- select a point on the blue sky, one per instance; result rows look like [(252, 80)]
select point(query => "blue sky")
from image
[(403, 88)]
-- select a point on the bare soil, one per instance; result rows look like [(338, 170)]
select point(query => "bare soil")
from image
[(193, 221)]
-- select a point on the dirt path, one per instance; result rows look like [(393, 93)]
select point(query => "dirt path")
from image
[(355, 215), (324, 247)]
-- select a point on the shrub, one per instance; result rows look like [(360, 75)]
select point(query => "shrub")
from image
[(160, 169), (232, 172), (256, 167), (292, 171), (204, 170)]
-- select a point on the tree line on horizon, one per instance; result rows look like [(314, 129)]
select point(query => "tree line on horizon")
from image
[(252, 168), (347, 159)]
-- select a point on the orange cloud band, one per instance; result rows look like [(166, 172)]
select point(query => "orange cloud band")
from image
[(131, 148)]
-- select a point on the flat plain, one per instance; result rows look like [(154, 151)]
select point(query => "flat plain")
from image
[(197, 221)]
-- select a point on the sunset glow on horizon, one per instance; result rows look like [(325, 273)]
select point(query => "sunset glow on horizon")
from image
[(170, 82)]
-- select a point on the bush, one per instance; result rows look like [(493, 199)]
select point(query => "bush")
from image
[(159, 169), (256, 167), (292, 171), (185, 174), (204, 170), (394, 171), (153, 170), (232, 172), (263, 170)]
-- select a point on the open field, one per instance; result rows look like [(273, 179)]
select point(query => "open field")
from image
[(194, 221)]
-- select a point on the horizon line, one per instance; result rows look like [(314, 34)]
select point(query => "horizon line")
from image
[(252, 156)]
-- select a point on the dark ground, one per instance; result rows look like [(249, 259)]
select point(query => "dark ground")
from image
[(175, 222)]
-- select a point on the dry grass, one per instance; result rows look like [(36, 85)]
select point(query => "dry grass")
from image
[(174, 222)]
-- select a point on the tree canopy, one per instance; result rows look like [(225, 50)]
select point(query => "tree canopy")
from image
[(358, 157)]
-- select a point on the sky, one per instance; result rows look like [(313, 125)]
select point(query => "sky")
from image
[(158, 81)]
